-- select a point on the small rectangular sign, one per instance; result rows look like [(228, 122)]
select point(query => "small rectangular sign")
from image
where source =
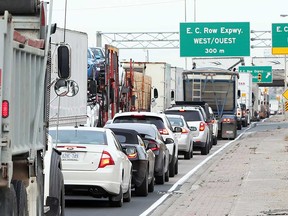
[(260, 74)]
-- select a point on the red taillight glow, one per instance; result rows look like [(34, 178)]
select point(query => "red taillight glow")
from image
[(5, 109), (163, 131), (202, 126), (227, 120), (106, 160), (184, 131)]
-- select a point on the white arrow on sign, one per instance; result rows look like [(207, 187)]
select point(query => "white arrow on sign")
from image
[(268, 74)]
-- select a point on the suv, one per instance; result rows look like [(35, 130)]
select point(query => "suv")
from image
[(194, 118), (164, 127)]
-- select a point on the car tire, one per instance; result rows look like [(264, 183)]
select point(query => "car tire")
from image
[(127, 196), (142, 190), (187, 155), (172, 168), (167, 176), (205, 149), (215, 140), (176, 167), (151, 185), (161, 178), (117, 201)]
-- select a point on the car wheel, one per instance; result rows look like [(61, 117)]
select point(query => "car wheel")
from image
[(161, 178), (239, 126), (176, 167), (117, 201), (191, 153), (142, 190), (172, 168), (127, 195), (205, 149), (187, 155), (151, 185), (167, 176), (215, 140)]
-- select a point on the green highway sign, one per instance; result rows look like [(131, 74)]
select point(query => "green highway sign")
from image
[(260, 74), (280, 38), (214, 39)]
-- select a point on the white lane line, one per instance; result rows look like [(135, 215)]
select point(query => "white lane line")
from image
[(187, 176)]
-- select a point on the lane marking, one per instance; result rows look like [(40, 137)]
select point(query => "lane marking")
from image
[(188, 175)]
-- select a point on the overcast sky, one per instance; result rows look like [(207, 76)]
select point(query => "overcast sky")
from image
[(91, 16)]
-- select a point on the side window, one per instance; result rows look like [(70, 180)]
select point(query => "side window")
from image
[(168, 124), (116, 143)]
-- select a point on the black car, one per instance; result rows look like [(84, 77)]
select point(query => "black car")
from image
[(153, 138), (141, 157)]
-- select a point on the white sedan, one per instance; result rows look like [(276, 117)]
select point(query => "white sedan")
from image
[(93, 163)]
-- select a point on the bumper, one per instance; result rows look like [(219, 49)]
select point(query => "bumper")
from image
[(109, 182)]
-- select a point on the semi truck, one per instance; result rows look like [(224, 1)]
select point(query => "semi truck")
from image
[(160, 73), (135, 88), (219, 89), (31, 181)]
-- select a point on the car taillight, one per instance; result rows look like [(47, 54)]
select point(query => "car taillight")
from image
[(132, 155), (106, 160), (5, 109), (227, 120), (202, 126), (153, 145), (184, 131), (163, 131)]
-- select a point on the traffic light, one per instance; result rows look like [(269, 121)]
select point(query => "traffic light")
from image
[(259, 77)]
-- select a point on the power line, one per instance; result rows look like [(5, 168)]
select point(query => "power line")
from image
[(123, 6)]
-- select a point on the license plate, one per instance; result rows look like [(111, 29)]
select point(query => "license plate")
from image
[(229, 132), (69, 156)]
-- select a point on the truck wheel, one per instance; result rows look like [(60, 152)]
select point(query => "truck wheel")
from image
[(21, 195), (8, 201)]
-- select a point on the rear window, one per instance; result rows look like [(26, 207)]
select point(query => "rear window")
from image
[(126, 137), (78, 137), (158, 122), (175, 121), (189, 115)]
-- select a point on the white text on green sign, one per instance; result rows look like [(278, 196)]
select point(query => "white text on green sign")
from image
[(260, 74), (214, 39), (280, 38)]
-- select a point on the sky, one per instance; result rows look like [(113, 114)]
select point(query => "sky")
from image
[(117, 16)]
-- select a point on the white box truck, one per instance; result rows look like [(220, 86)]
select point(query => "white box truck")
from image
[(70, 110), (245, 99), (28, 185)]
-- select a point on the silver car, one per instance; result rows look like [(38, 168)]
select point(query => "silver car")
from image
[(185, 137)]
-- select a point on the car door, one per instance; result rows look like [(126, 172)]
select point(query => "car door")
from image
[(126, 164)]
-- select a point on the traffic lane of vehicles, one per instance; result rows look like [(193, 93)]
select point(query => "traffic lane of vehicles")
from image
[(88, 206)]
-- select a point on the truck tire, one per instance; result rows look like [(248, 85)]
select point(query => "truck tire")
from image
[(21, 195), (8, 201)]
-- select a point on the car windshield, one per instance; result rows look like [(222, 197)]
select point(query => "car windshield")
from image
[(189, 115), (97, 52), (78, 137), (141, 119)]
